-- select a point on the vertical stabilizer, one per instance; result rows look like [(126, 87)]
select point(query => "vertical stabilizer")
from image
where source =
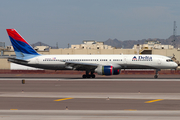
[(21, 47)]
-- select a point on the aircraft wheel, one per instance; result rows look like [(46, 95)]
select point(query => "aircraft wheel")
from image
[(93, 76), (84, 76), (155, 76)]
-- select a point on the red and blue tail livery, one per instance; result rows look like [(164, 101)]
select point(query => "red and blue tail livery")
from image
[(21, 47)]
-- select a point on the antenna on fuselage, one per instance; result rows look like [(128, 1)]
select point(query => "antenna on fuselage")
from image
[(174, 35)]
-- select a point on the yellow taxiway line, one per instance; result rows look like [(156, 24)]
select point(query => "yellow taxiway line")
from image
[(153, 100), (63, 99)]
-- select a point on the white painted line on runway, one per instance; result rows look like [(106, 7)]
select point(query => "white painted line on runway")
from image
[(90, 114), (55, 79), (148, 96)]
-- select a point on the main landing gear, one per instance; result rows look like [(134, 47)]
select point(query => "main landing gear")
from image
[(87, 75), (156, 75)]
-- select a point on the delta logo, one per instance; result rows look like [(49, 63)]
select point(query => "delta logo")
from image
[(145, 58), (134, 58), (142, 58)]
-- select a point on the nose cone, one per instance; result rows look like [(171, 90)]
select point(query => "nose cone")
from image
[(174, 65)]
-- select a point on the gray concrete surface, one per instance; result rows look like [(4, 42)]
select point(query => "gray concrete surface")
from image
[(93, 86), (79, 76), (36, 103), (90, 99)]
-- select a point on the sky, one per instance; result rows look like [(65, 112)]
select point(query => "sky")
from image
[(72, 21)]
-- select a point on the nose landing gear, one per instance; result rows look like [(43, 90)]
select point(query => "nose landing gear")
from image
[(156, 75)]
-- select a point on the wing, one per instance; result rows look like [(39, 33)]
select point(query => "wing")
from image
[(87, 66), (80, 65)]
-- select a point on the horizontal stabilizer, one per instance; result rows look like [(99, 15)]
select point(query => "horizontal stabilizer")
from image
[(15, 60)]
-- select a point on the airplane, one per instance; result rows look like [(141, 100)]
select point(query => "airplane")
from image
[(100, 64)]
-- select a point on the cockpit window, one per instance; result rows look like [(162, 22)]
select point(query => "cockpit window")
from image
[(169, 60)]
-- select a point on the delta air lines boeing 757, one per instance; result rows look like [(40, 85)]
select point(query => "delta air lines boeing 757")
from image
[(100, 64)]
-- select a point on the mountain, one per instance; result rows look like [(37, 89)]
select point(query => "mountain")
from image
[(130, 43), (127, 43)]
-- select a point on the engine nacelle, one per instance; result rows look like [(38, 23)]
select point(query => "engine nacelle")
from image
[(106, 70)]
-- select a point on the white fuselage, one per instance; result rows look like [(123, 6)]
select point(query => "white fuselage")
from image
[(57, 62)]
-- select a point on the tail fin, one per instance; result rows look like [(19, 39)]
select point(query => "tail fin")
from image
[(21, 47)]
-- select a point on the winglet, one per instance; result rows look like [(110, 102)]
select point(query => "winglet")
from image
[(21, 47)]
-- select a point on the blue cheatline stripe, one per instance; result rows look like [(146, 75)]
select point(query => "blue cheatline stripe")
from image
[(21, 47)]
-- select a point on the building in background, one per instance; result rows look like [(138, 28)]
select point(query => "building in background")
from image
[(91, 44), (149, 46), (42, 48), (153, 45)]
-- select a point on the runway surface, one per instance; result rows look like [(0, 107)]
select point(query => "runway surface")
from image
[(92, 85), (89, 98), (79, 76)]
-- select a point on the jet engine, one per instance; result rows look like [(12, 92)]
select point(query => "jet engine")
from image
[(106, 70)]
